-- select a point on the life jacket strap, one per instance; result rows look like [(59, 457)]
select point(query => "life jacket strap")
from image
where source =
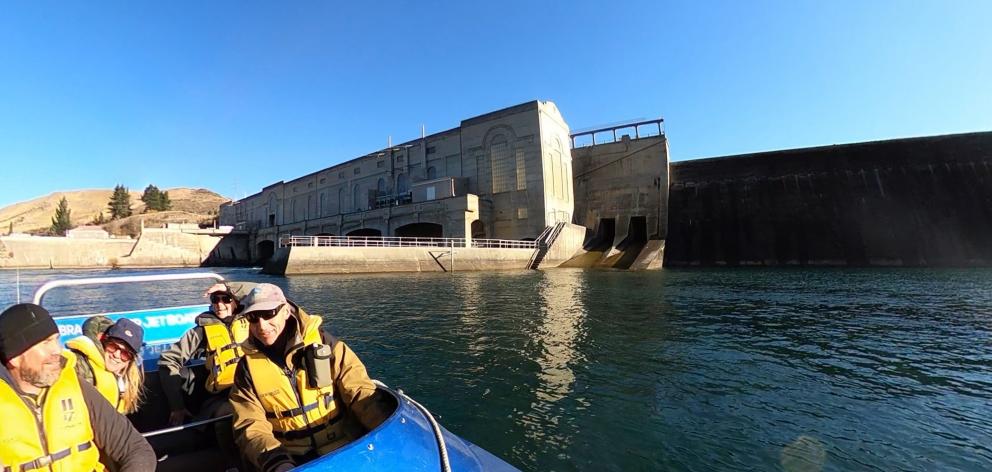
[(47, 460), (299, 411), (306, 432)]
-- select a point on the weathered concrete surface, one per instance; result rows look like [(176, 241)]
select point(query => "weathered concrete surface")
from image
[(154, 248), (62, 253), (906, 202), (351, 260), (621, 195), (568, 243), (516, 161)]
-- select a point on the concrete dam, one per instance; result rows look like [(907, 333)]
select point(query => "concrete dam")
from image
[(516, 188), (904, 202), (509, 189)]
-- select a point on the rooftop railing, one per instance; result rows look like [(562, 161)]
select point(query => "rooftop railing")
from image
[(637, 130), (395, 241)]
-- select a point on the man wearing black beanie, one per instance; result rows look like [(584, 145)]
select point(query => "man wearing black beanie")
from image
[(51, 419)]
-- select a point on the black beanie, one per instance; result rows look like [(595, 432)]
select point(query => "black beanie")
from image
[(23, 326)]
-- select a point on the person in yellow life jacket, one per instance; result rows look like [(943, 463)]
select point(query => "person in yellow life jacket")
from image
[(216, 339), (52, 420), (108, 359), (298, 393)]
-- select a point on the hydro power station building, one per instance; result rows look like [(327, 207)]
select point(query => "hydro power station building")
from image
[(512, 174)]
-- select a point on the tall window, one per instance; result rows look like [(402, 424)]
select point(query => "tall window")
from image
[(431, 173), (556, 171), (402, 183), (380, 186), (521, 170), (503, 167), (340, 204), (323, 204), (357, 198)]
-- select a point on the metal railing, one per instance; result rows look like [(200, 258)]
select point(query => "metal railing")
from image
[(394, 241), (637, 130)]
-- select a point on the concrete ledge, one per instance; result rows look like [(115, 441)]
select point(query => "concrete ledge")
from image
[(353, 260)]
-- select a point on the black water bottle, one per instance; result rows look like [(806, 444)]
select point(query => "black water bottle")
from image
[(318, 359)]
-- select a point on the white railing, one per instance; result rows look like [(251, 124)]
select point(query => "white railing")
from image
[(392, 241)]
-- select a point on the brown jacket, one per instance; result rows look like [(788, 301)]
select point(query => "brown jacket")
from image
[(353, 389)]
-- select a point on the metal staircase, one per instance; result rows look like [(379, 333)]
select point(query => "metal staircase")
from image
[(544, 243)]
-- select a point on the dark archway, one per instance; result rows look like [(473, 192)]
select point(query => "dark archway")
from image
[(420, 230), (367, 232), (265, 250), (478, 229)]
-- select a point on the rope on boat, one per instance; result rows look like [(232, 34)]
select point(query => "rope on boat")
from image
[(159, 432), (438, 435)]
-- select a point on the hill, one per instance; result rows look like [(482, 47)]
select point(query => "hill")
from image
[(33, 216)]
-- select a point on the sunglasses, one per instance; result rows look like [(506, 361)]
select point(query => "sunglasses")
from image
[(254, 316), (220, 298), (122, 352)]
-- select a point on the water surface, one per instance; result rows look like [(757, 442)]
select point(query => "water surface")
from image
[(697, 370)]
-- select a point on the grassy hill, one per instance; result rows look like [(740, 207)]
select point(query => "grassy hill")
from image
[(35, 216)]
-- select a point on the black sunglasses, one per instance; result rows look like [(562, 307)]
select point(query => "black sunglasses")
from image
[(220, 298), (254, 316)]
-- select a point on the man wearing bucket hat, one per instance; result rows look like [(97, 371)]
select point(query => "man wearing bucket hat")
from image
[(298, 392), (54, 421)]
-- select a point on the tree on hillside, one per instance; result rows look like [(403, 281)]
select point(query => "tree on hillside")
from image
[(60, 222), (10, 229), (155, 199), (100, 219), (120, 203)]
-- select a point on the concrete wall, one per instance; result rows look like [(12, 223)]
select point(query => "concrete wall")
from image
[(155, 248), (621, 195), (906, 202), (566, 246), (502, 155), (338, 260), (62, 253)]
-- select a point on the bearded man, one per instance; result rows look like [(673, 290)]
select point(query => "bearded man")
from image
[(52, 420)]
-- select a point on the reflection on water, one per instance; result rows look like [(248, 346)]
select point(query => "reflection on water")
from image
[(699, 370)]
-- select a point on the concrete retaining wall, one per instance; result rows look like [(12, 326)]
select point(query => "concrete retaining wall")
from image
[(62, 253), (906, 202), (155, 248), (351, 260)]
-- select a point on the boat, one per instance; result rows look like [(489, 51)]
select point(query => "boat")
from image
[(410, 439)]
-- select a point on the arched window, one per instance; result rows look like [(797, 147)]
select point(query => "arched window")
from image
[(503, 168), (357, 198), (340, 204), (402, 184), (431, 173), (380, 186)]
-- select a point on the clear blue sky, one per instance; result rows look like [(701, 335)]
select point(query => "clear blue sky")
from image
[(235, 95)]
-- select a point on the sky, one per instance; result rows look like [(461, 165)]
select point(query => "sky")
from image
[(235, 95)]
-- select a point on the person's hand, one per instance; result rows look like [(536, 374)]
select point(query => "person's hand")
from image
[(219, 287), (176, 417)]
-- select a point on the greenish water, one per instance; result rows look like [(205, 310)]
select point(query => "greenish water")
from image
[(697, 370)]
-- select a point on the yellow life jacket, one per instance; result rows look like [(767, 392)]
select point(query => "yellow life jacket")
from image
[(106, 381), (59, 438), (302, 418), (223, 352)]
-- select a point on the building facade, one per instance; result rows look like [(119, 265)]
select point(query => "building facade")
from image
[(502, 175)]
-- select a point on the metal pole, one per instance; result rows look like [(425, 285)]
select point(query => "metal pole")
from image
[(452, 264)]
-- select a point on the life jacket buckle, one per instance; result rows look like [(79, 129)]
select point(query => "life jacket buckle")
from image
[(44, 461)]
